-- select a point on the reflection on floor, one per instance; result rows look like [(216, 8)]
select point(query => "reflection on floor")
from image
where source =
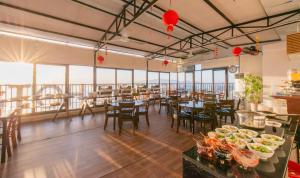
[(83, 149)]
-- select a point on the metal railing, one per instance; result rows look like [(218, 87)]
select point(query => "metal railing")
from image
[(13, 95)]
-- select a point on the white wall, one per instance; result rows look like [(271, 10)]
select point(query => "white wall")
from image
[(17, 49)]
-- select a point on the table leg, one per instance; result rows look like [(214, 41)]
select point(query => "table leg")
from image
[(83, 111), (19, 128), (137, 116), (89, 108), (4, 142), (59, 110)]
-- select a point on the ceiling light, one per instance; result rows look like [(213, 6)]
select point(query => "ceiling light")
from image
[(65, 43)]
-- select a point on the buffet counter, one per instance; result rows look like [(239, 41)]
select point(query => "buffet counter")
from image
[(195, 165), (293, 103)]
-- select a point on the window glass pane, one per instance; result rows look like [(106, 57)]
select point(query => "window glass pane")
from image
[(81, 83), (207, 81), (106, 77), (139, 77), (181, 80), (50, 80), (50, 74), (15, 83), (198, 81), (124, 77), (80, 74), (219, 81), (153, 78), (15, 73), (231, 81), (198, 67), (164, 82), (173, 81), (189, 81)]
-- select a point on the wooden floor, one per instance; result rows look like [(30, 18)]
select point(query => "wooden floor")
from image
[(83, 149)]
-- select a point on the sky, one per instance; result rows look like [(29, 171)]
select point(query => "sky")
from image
[(21, 73)]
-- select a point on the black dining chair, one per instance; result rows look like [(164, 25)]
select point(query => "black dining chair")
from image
[(144, 111), (180, 115), (127, 113), (110, 112), (163, 101), (208, 115), (226, 109)]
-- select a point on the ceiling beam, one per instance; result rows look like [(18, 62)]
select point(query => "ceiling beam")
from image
[(77, 23), (266, 19), (180, 27), (124, 19), (135, 22), (191, 25), (76, 37), (226, 18), (254, 32)]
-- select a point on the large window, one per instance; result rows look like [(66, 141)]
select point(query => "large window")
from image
[(198, 79), (164, 81), (80, 83), (173, 81), (189, 81), (219, 81), (207, 80), (231, 82), (153, 78), (181, 81), (50, 80), (124, 77), (140, 77), (15, 82), (106, 77)]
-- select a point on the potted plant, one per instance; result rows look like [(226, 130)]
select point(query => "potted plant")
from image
[(253, 90)]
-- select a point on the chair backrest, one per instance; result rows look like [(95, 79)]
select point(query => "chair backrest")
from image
[(126, 107), (227, 104), (127, 97), (210, 108), (209, 97)]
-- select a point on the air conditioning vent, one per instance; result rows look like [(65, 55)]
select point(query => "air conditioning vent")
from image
[(293, 43)]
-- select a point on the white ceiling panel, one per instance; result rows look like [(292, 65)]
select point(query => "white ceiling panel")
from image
[(113, 6), (278, 6), (28, 19), (196, 12), (240, 10), (66, 9)]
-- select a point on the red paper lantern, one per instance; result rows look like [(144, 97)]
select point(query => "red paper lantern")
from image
[(100, 59), (170, 18), (165, 62), (237, 51)]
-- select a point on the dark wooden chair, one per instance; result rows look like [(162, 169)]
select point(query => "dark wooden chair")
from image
[(207, 116), (127, 112), (180, 115), (12, 133), (209, 97), (110, 113), (127, 97), (226, 108), (163, 101), (144, 111)]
